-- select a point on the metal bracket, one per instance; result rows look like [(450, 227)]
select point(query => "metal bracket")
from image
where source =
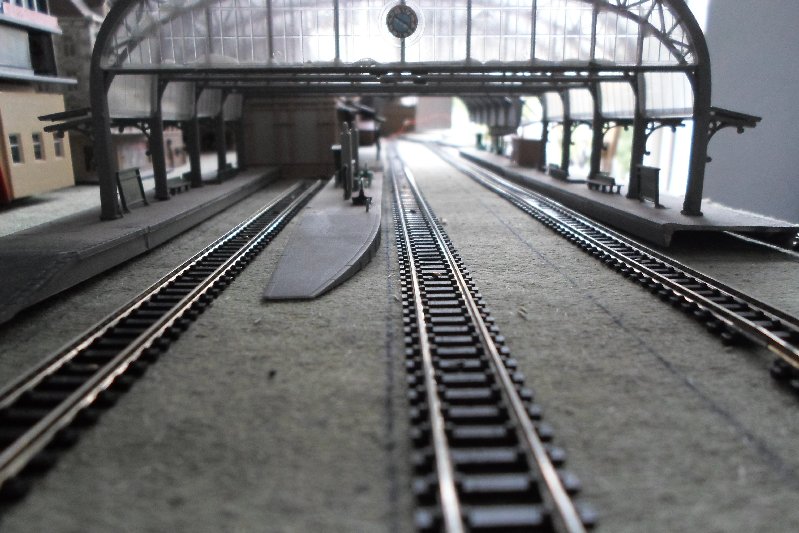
[(724, 118), (716, 126), (612, 124), (653, 125), (141, 125)]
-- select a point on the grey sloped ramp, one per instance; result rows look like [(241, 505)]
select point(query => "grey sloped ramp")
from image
[(333, 240)]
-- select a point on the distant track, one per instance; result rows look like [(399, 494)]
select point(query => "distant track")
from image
[(725, 311), (792, 253), (484, 460), (41, 410)]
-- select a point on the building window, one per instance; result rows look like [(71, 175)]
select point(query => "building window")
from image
[(58, 146), (38, 147), (16, 147)]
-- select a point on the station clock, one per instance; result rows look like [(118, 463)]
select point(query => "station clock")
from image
[(402, 21)]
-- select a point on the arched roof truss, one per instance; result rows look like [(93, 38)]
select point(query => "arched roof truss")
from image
[(313, 34), (457, 47), (345, 47)]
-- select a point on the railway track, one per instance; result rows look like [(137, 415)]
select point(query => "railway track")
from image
[(484, 458), (42, 410), (725, 311)]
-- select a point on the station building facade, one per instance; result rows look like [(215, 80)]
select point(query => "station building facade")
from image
[(32, 161)]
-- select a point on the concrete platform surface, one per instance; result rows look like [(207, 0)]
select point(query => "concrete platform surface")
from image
[(333, 240), (642, 219), (46, 207), (41, 261)]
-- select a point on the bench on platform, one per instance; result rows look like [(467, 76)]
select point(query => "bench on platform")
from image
[(177, 185), (558, 173), (603, 182), (226, 173), (131, 190), (648, 184)]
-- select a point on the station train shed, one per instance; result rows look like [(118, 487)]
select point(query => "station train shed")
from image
[(642, 64)]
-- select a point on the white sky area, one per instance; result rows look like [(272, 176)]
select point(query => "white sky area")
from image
[(674, 174), (700, 10)]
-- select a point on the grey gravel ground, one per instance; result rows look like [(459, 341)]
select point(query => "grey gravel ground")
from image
[(262, 417), (291, 416), (761, 271), (668, 430)]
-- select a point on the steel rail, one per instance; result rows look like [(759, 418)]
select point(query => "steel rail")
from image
[(790, 252), (566, 516), (11, 390), (15, 456), (769, 332), (448, 496)]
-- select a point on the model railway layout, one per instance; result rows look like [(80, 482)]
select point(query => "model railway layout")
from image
[(484, 460), (727, 312), (41, 409)]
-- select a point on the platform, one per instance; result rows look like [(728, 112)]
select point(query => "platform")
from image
[(41, 261), (333, 240), (642, 219)]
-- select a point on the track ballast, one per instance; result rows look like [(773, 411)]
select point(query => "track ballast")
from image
[(725, 311), (484, 460), (43, 409)]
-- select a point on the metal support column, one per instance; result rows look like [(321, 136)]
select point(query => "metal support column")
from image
[(598, 128), (346, 160), (639, 135), (692, 204), (241, 157), (544, 132), (356, 148), (221, 147), (193, 143), (544, 141), (104, 156), (567, 133), (157, 144), (567, 143)]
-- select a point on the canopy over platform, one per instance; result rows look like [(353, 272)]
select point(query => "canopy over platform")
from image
[(158, 59)]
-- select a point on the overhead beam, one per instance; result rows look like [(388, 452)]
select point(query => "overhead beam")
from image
[(533, 67)]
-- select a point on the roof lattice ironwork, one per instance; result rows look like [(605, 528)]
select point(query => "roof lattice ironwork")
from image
[(310, 33)]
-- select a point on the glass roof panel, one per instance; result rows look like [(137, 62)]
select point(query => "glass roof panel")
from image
[(316, 32), (208, 103), (130, 96), (554, 109), (362, 36), (668, 94), (581, 104), (233, 106), (501, 30), (616, 39), (617, 100), (177, 103)]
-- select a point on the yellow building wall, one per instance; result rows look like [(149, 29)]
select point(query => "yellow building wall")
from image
[(18, 115)]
